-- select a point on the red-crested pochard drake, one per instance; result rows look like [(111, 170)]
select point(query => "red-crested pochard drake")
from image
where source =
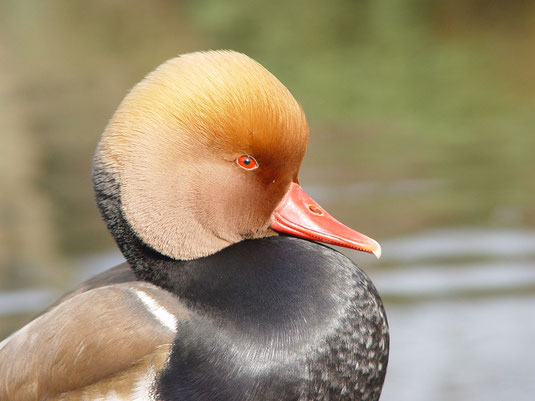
[(196, 175)]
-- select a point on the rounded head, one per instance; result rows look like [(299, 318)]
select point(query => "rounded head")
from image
[(203, 150)]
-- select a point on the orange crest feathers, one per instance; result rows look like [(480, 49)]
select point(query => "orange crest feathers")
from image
[(221, 97)]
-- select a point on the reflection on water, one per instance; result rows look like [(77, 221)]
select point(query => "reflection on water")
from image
[(461, 308), (461, 279), (462, 350), (464, 242)]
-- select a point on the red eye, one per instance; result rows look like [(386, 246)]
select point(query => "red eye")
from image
[(247, 162)]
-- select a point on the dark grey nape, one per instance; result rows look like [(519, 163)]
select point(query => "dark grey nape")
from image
[(278, 318)]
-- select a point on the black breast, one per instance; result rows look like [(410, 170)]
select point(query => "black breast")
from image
[(275, 319)]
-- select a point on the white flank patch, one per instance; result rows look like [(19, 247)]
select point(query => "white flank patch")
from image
[(158, 311), (144, 386)]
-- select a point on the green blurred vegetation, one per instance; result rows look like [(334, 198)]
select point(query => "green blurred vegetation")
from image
[(422, 111)]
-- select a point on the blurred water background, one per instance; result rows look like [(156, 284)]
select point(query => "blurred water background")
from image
[(422, 117)]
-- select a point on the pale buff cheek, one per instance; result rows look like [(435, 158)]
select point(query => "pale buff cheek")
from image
[(241, 206), (218, 200), (194, 209)]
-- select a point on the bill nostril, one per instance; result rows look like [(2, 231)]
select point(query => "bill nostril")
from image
[(316, 210)]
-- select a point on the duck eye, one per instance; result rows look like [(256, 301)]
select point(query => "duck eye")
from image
[(247, 162)]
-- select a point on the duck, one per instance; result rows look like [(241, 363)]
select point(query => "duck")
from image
[(231, 289)]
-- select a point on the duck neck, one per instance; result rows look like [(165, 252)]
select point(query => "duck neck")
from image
[(148, 264)]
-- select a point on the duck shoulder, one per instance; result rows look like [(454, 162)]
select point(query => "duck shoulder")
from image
[(106, 336)]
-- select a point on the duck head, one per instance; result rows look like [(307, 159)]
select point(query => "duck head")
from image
[(204, 153)]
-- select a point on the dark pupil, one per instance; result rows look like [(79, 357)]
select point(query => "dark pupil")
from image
[(246, 161)]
